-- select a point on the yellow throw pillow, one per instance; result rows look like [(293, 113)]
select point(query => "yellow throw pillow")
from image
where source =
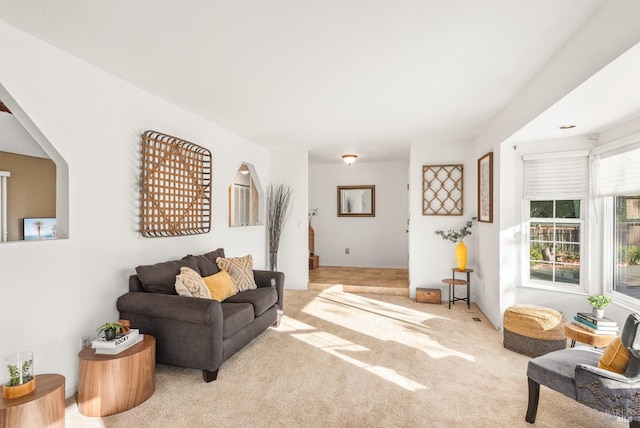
[(615, 357), (220, 286), (241, 271)]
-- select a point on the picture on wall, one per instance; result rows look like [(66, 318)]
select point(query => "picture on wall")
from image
[(442, 187), (485, 188), (40, 228), (357, 201)]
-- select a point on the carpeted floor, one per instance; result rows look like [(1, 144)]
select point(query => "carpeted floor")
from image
[(348, 360)]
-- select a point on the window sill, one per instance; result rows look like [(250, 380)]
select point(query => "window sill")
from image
[(570, 289)]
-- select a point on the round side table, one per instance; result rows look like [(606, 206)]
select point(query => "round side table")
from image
[(43, 407), (111, 384), (577, 334)]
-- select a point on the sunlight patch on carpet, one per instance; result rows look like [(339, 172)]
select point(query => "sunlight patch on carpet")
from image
[(335, 346)]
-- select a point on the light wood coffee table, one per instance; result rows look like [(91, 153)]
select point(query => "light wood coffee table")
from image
[(577, 334), (111, 384)]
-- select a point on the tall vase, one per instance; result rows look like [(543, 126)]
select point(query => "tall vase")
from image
[(273, 261), (312, 238), (461, 256)]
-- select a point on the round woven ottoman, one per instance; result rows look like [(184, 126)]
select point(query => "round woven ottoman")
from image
[(533, 330)]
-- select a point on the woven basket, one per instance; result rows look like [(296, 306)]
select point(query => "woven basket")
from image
[(533, 330)]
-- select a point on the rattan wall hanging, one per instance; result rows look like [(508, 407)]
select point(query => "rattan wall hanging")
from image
[(442, 189), (175, 190)]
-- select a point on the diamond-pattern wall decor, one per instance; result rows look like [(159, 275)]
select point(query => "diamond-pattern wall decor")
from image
[(175, 187), (442, 189)]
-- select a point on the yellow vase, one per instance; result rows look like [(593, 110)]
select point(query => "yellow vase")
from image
[(461, 255)]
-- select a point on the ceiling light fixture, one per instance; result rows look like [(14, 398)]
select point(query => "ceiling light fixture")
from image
[(567, 126), (349, 158)]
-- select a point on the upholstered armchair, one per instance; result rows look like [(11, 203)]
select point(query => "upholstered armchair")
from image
[(574, 372)]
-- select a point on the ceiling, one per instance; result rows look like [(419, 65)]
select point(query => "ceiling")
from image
[(333, 76)]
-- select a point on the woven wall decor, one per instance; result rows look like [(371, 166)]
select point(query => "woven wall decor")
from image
[(175, 190), (442, 189)]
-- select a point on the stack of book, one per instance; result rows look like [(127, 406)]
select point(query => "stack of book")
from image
[(596, 325), (119, 344)]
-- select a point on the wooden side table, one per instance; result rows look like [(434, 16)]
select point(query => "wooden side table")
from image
[(111, 384), (43, 407), (452, 282), (577, 334)]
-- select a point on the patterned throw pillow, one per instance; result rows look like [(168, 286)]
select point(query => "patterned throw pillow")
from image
[(189, 283), (241, 271), (220, 285), (615, 357)]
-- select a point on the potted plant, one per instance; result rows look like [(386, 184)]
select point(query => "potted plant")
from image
[(458, 237), (599, 302), (21, 378), (110, 329)]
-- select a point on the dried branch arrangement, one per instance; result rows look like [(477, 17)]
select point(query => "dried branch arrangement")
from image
[(278, 199), (175, 187)]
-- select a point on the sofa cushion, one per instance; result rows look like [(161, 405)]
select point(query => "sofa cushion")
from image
[(189, 283), (220, 285), (261, 298), (615, 357), (161, 277), (207, 265), (236, 317), (241, 271)]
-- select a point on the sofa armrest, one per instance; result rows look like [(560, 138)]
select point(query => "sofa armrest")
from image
[(173, 307), (268, 278)]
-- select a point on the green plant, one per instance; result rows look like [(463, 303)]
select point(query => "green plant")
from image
[(14, 373), (599, 301), (111, 325), (453, 236)]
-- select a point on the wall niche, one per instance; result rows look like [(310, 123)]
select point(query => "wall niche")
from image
[(245, 198)]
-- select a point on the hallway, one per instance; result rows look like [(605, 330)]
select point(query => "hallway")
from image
[(361, 280)]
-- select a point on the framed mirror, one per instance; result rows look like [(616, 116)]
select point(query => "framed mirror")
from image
[(357, 201)]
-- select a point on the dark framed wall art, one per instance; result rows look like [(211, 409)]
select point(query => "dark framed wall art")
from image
[(485, 188)]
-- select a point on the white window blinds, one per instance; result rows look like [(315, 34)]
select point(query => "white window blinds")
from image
[(556, 176), (619, 174)]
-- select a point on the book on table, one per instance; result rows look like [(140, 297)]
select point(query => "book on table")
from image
[(610, 331), (604, 321), (114, 351), (101, 342), (595, 326)]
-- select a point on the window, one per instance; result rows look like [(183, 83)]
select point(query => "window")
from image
[(555, 190), (555, 230), (618, 183), (626, 268)]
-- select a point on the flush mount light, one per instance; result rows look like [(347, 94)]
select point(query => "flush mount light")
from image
[(567, 126), (349, 158)]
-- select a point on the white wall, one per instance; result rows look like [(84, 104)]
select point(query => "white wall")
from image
[(54, 292), (431, 257), (290, 167), (379, 241)]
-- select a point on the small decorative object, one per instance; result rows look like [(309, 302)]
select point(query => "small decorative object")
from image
[(110, 329), (485, 188), (458, 237), (126, 326), (599, 302), (442, 187), (312, 233), (278, 199), (21, 378), (357, 201)]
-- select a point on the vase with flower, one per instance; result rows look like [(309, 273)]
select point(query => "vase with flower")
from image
[(458, 237)]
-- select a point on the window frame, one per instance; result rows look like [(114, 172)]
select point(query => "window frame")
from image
[(526, 279)]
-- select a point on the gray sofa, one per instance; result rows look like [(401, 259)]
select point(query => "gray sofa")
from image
[(193, 332)]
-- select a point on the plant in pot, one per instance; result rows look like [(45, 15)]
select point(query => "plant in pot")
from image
[(21, 378), (110, 329), (599, 302), (458, 237)]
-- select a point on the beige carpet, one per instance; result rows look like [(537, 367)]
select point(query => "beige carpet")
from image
[(348, 360)]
